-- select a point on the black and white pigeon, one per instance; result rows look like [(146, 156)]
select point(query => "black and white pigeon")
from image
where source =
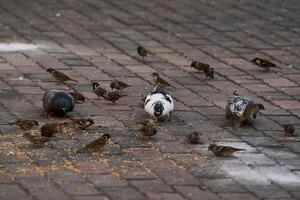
[(241, 109), (58, 102), (159, 104)]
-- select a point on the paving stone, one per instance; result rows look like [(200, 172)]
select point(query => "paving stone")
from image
[(194, 193), (44, 189), (13, 191), (125, 193), (166, 196), (89, 197), (223, 185), (151, 186), (79, 188), (76, 42), (107, 180), (270, 191), (232, 196)]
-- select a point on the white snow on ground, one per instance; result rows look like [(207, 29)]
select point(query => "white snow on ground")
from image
[(16, 46), (263, 175)]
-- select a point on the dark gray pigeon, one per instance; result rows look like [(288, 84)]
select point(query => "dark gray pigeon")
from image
[(58, 102)]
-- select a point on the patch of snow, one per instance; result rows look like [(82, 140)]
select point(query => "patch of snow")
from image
[(262, 175), (16, 46)]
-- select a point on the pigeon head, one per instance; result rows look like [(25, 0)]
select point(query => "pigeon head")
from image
[(94, 84), (50, 70), (113, 85), (158, 109), (64, 106)]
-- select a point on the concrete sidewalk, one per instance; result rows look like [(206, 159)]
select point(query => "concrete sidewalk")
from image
[(96, 40)]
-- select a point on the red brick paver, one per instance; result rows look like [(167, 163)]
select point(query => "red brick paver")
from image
[(96, 40)]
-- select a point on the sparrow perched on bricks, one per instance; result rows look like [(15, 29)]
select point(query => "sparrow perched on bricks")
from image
[(142, 51), (158, 80), (210, 73), (99, 91), (49, 129), (58, 102), (37, 140), (289, 130), (263, 63), (241, 109), (200, 66), (119, 85), (222, 150), (147, 128), (79, 98), (112, 96), (25, 124), (193, 137), (82, 123), (59, 75), (159, 104), (95, 145)]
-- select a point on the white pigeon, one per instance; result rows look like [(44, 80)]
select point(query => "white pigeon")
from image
[(159, 104)]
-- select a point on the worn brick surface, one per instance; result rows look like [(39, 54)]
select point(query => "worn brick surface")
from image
[(96, 40)]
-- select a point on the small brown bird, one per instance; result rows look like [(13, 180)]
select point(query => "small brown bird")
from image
[(251, 110), (95, 145), (59, 75), (222, 150), (37, 140), (49, 129), (200, 66), (289, 130), (158, 80), (142, 51), (112, 96), (263, 63), (119, 85), (79, 98), (193, 137), (82, 122), (25, 124), (210, 73), (148, 129), (99, 91)]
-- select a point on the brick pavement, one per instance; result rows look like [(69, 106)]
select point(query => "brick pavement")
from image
[(96, 40)]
